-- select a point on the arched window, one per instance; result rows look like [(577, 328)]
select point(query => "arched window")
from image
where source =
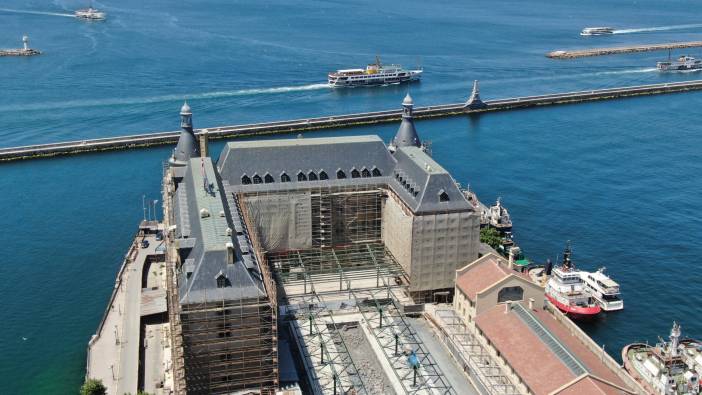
[(365, 173), (301, 176), (245, 179), (312, 176), (510, 293), (376, 172), (340, 174), (257, 179), (284, 177), (268, 179), (323, 175), (443, 196), (355, 173)]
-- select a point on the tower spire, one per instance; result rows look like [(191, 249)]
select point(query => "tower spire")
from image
[(474, 101), (187, 143), (406, 135)]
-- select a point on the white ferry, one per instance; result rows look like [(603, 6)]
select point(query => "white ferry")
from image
[(596, 31), (668, 368), (603, 289), (683, 63), (90, 13), (373, 74)]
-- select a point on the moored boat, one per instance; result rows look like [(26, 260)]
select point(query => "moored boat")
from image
[(497, 216), (374, 74), (566, 290), (668, 368), (603, 289)]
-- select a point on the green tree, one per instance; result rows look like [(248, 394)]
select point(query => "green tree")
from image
[(93, 387), (491, 237)]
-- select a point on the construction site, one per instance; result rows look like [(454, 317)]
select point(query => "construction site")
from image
[(330, 266)]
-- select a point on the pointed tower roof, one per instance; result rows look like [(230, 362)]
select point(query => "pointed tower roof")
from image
[(187, 142), (406, 135)]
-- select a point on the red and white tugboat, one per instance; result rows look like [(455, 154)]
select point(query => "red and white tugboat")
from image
[(567, 291)]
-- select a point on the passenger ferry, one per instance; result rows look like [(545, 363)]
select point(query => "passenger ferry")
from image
[(90, 13), (567, 291), (596, 31), (603, 289), (668, 368), (683, 63), (374, 74)]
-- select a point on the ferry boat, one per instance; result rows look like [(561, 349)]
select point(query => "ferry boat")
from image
[(497, 217), (596, 31), (90, 13), (603, 289), (683, 63), (374, 74), (668, 368), (567, 291)]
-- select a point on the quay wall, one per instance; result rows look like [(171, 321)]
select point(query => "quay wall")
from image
[(581, 53), (340, 121)]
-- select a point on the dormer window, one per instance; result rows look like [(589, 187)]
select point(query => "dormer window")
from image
[(355, 173), (268, 179), (257, 179), (323, 175), (443, 196), (222, 281), (376, 172), (246, 180), (301, 176), (365, 173), (284, 177), (312, 176), (340, 174)]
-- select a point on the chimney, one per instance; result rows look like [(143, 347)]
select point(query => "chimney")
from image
[(204, 144), (511, 257), (230, 253), (531, 303), (508, 306)]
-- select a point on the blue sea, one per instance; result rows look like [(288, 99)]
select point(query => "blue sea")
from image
[(620, 179)]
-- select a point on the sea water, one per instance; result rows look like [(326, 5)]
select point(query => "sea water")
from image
[(620, 179)]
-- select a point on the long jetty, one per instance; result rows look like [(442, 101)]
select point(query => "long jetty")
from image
[(343, 121), (581, 53)]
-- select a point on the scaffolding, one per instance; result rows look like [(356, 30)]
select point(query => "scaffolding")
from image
[(324, 353), (412, 364), (333, 270), (466, 348)]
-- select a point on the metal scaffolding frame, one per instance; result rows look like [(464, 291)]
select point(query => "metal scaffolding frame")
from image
[(488, 374), (356, 266), (396, 338), (324, 352)]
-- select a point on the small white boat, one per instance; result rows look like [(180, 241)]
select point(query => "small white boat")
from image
[(684, 63), (596, 31), (90, 13)]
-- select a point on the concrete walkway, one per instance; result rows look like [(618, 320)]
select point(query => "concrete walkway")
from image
[(113, 353)]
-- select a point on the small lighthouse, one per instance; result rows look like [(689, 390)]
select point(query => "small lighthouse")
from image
[(25, 41), (187, 142)]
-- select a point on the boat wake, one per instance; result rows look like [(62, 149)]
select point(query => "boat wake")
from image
[(36, 12), (162, 99), (631, 71), (657, 29)]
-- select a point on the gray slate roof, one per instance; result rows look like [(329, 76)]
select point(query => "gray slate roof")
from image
[(208, 258), (411, 173)]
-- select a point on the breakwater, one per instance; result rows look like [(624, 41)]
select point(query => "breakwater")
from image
[(580, 53), (341, 121)]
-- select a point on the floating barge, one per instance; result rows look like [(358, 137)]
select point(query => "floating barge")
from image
[(581, 53)]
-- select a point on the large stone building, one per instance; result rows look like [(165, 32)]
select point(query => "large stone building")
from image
[(328, 197)]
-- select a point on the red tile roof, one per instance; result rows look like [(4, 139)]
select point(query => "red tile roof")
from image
[(589, 385), (482, 274), (533, 361)]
